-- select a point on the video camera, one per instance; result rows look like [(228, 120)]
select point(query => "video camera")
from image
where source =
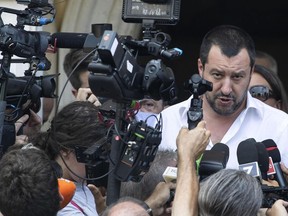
[(24, 93), (116, 73)]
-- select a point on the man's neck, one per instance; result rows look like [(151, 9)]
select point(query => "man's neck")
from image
[(219, 124)]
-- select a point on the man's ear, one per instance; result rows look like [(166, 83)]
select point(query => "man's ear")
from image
[(200, 67), (278, 104), (64, 154), (74, 92)]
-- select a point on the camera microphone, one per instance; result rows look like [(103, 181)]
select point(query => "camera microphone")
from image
[(87, 42), (68, 40)]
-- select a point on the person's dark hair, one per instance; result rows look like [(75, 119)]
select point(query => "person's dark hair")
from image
[(127, 199), (278, 89), (28, 184), (71, 60), (267, 60), (230, 192), (76, 124), (230, 39)]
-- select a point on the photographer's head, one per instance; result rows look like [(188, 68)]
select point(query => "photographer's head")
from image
[(229, 192), (28, 184), (75, 125), (79, 78)]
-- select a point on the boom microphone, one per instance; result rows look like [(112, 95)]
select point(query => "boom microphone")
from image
[(67, 190), (274, 153)]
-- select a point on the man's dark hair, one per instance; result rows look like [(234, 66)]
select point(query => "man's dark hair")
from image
[(28, 184), (230, 39), (76, 124), (70, 62), (267, 60)]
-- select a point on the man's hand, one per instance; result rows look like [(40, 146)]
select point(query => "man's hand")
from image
[(192, 143), (158, 199), (100, 200), (85, 94), (31, 124), (278, 208), (21, 139)]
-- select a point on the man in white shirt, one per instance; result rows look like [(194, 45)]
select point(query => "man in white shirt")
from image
[(227, 57)]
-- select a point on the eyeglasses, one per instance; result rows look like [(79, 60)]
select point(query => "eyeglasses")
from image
[(260, 92)]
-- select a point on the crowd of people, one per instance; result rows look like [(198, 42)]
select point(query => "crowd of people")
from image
[(248, 100)]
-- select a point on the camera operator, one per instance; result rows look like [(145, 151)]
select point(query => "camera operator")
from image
[(75, 126), (21, 131), (76, 68)]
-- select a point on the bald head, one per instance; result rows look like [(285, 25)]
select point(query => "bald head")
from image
[(126, 206)]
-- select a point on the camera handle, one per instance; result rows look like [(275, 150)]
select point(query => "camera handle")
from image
[(113, 186), (197, 86), (195, 112), (4, 75)]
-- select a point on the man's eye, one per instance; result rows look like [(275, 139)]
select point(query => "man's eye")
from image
[(150, 104), (217, 76), (237, 77)]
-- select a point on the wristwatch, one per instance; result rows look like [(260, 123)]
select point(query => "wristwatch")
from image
[(148, 209)]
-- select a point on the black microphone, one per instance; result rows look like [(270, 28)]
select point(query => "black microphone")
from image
[(68, 40), (263, 159), (274, 153), (213, 160), (247, 155), (74, 40)]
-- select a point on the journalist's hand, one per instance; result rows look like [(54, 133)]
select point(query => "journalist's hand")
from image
[(85, 94), (191, 143), (158, 199)]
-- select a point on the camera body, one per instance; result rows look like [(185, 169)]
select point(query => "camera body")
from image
[(138, 151)]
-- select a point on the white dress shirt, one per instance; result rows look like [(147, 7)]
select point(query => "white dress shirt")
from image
[(257, 120)]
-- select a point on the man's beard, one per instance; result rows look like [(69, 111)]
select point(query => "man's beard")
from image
[(224, 110)]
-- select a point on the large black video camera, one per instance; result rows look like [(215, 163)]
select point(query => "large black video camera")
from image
[(23, 93), (19, 95), (116, 72)]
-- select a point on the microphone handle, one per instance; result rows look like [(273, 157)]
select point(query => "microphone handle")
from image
[(279, 176)]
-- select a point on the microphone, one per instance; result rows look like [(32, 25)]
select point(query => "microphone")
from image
[(170, 174), (213, 160), (263, 159), (274, 153), (68, 40), (87, 42), (247, 155), (67, 190)]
